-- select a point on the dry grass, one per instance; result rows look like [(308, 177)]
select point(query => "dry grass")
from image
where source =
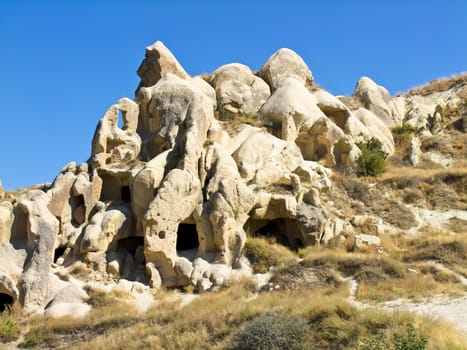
[(265, 253), (439, 85)]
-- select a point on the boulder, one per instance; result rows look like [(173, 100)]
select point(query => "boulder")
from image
[(378, 100), (238, 91), (157, 63), (282, 64), (376, 128), (292, 109), (363, 241), (206, 88)]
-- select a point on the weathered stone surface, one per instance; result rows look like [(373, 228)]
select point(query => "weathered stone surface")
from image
[(378, 100), (2, 191), (6, 220), (238, 91), (158, 62), (293, 108), (114, 145), (166, 198), (176, 115), (41, 232), (282, 64)]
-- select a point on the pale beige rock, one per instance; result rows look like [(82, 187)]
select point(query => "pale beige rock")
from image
[(114, 145), (334, 109), (144, 186), (6, 221), (41, 229), (158, 62), (285, 63), (206, 88), (105, 226), (176, 109), (238, 91), (378, 100), (292, 108), (2, 191), (266, 159), (363, 241), (175, 201), (376, 128)]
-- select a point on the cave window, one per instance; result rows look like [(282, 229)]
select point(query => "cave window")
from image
[(321, 152), (78, 209), (58, 253), (131, 244), (274, 230), (187, 237), (120, 123), (5, 301), (126, 194)]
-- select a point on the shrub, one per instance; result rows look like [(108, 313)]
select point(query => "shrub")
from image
[(8, 329), (372, 160), (409, 341), (273, 331)]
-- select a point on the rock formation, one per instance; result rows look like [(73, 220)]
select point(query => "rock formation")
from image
[(168, 198)]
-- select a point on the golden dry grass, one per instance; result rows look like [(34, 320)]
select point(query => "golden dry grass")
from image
[(438, 85)]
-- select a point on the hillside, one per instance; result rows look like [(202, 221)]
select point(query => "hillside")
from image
[(244, 209)]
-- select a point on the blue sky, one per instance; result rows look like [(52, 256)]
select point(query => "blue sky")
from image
[(63, 63)]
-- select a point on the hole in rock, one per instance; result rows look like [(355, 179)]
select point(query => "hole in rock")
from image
[(130, 244), (5, 301), (274, 229), (321, 152), (120, 123), (58, 253), (126, 194), (78, 209), (281, 231), (187, 237), (19, 229)]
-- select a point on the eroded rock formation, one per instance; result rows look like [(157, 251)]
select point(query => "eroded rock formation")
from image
[(168, 198)]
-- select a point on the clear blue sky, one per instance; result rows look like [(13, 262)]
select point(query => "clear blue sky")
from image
[(63, 63)]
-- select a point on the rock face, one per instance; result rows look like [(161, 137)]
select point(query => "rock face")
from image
[(168, 198), (282, 64), (238, 91)]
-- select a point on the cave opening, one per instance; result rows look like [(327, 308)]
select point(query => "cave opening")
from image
[(6, 300), (78, 209), (58, 253), (125, 194), (281, 231), (187, 237), (274, 230), (131, 244), (20, 228)]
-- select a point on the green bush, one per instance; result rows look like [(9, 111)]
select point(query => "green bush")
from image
[(410, 341), (273, 331), (373, 158), (8, 329)]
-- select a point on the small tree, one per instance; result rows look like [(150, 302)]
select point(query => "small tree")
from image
[(373, 158)]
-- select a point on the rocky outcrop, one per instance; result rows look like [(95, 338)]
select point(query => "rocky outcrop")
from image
[(170, 194), (283, 64), (238, 91), (378, 100)]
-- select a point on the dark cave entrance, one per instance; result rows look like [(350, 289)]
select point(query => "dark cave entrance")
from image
[(78, 208), (130, 244), (187, 237), (126, 194), (58, 253), (281, 231), (6, 300)]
